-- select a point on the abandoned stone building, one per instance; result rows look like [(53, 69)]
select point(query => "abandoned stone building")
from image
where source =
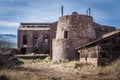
[(72, 37), (34, 37)]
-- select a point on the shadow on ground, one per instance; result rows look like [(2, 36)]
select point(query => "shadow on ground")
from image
[(9, 60), (3, 77), (32, 56)]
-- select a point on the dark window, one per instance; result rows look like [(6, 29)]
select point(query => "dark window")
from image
[(105, 41), (117, 40), (35, 39), (86, 56), (23, 26), (24, 39), (23, 50), (117, 48), (102, 55), (42, 26), (32, 26), (28, 26), (35, 50), (114, 41), (65, 34), (103, 48)]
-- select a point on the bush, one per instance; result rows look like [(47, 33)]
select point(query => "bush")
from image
[(9, 60)]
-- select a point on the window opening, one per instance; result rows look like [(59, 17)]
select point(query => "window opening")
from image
[(23, 26), (46, 40), (65, 34), (35, 39), (24, 39), (35, 50), (103, 55)]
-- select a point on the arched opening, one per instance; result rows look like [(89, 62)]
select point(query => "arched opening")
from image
[(35, 39), (25, 39)]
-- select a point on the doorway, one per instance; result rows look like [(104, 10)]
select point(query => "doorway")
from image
[(23, 50)]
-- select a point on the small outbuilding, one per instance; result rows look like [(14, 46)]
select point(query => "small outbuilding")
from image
[(102, 51)]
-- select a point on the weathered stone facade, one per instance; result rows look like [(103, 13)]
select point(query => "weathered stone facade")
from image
[(34, 37), (72, 31), (53, 29)]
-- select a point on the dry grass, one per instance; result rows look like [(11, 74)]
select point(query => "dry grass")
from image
[(37, 69), (113, 68), (45, 69), (22, 75)]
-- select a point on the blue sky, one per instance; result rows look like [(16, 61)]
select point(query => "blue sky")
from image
[(12, 12)]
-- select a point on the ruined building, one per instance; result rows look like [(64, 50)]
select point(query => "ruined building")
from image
[(72, 37), (34, 37), (101, 51)]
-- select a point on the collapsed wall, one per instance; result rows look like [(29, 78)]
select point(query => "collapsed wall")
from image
[(72, 31)]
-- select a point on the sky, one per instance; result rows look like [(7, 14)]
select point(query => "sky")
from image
[(13, 12)]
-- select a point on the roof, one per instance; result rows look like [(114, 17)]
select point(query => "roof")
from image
[(111, 33), (99, 25), (34, 26), (35, 23), (104, 37)]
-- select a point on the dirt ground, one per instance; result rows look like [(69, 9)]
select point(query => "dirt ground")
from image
[(45, 69)]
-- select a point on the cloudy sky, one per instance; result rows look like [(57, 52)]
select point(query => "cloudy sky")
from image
[(12, 12)]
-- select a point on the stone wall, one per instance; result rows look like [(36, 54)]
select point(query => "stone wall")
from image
[(78, 26), (89, 54), (62, 50), (53, 29), (93, 61), (29, 33), (100, 30)]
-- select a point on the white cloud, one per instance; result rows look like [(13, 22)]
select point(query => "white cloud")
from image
[(42, 11), (8, 32), (8, 24)]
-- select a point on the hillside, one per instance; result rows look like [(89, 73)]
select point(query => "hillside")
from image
[(12, 38)]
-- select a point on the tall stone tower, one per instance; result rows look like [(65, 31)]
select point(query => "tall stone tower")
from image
[(72, 31)]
